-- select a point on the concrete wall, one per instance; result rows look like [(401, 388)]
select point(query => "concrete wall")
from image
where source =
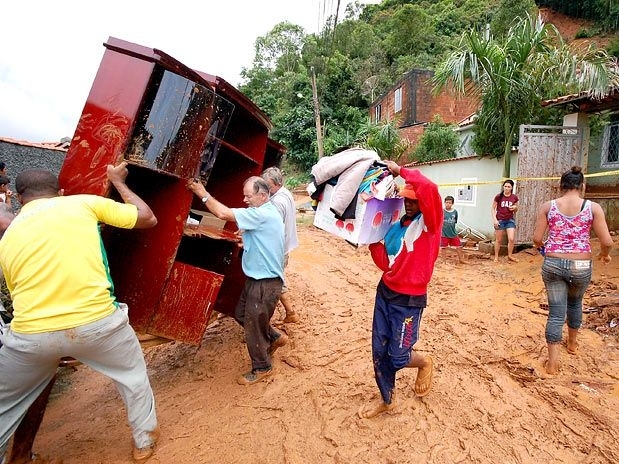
[(473, 182), (475, 212), (19, 156)]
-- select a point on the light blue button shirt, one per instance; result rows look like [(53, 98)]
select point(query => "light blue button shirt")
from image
[(263, 241)]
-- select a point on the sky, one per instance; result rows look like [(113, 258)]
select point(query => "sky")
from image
[(50, 50)]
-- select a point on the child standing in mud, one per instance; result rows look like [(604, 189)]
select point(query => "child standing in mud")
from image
[(449, 236)]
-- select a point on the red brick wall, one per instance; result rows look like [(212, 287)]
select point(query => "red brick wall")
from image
[(412, 133), (451, 109)]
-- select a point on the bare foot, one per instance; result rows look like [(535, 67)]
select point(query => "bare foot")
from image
[(540, 370), (551, 369), (496, 260), (291, 318), (423, 382), (367, 411), (512, 259), (278, 343)]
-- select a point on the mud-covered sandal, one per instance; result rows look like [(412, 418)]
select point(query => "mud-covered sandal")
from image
[(142, 454), (253, 376)]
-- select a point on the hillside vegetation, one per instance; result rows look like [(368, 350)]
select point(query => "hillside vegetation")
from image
[(355, 59)]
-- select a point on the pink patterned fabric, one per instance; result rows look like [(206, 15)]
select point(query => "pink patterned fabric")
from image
[(569, 234)]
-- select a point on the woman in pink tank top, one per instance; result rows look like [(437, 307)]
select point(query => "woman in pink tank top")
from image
[(566, 222)]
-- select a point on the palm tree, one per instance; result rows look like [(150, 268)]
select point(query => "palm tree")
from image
[(385, 138), (512, 74)]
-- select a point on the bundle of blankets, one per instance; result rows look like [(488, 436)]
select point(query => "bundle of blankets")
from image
[(354, 173)]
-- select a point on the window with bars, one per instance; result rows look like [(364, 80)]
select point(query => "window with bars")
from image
[(610, 146), (397, 101), (377, 111)]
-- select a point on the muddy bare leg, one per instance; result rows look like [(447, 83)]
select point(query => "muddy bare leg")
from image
[(291, 315), (572, 341), (498, 239), (552, 365)]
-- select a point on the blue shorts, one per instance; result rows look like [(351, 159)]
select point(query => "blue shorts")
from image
[(506, 224)]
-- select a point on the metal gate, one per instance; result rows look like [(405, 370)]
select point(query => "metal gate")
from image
[(543, 151)]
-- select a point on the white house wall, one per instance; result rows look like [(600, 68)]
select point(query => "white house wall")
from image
[(483, 176)]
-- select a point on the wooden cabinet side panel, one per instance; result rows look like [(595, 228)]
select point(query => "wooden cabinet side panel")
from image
[(106, 123), (186, 304)]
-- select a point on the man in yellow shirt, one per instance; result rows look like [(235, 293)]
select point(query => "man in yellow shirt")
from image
[(56, 270)]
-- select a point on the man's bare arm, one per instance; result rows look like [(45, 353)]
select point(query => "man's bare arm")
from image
[(117, 176), (216, 207)]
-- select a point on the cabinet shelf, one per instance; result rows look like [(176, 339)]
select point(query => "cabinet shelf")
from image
[(234, 149), (203, 231), (170, 123)]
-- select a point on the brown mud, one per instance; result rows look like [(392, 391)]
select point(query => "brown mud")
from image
[(490, 402)]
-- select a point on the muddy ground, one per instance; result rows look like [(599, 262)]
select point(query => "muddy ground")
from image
[(490, 403)]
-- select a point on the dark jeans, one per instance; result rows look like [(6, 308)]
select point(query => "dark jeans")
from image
[(395, 329), (566, 281), (254, 311)]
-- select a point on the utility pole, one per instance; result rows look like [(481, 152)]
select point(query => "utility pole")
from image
[(321, 150)]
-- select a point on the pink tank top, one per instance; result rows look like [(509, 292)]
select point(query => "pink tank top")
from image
[(569, 234)]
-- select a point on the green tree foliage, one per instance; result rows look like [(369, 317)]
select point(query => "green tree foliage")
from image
[(439, 141), (488, 140), (508, 11), (512, 74), (408, 31), (280, 49), (358, 58), (384, 138), (613, 48), (296, 130)]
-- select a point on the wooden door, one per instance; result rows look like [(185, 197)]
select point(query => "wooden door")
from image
[(544, 153)]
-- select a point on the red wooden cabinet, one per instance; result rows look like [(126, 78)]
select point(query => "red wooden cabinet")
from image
[(170, 123)]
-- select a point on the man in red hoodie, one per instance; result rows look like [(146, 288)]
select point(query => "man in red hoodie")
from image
[(406, 256)]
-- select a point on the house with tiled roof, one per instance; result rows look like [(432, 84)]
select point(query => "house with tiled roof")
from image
[(601, 153)]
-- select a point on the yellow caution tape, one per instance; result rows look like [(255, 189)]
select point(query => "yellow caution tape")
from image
[(517, 179)]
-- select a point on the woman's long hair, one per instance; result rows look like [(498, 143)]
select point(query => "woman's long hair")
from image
[(506, 181)]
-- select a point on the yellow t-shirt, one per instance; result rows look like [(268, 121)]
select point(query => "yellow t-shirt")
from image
[(55, 264)]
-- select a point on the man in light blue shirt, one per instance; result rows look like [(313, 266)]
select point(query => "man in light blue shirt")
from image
[(263, 264)]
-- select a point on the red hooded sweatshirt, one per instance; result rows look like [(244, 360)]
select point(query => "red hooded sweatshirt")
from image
[(409, 271)]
